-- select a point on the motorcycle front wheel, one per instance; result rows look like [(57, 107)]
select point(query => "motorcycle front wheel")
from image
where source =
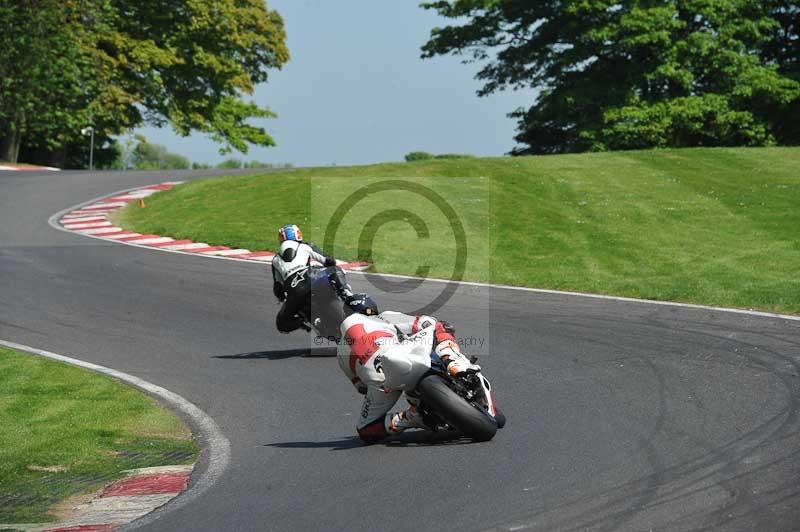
[(454, 409), (500, 417)]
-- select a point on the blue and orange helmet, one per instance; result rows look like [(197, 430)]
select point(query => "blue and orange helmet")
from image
[(289, 232)]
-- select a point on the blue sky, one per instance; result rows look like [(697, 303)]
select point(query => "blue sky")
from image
[(356, 92)]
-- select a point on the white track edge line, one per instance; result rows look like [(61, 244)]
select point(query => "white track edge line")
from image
[(590, 296), (217, 445), (53, 221)]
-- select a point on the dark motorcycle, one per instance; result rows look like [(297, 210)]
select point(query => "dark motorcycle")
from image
[(324, 312)]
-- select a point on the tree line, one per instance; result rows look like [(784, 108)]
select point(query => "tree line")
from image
[(637, 73), (137, 153), (607, 74), (117, 64)]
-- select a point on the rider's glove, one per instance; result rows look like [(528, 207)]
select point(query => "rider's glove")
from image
[(330, 261), (453, 359), (459, 364), (447, 327)]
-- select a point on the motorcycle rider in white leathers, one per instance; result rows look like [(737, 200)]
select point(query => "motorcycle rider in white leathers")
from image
[(365, 338), (290, 271)]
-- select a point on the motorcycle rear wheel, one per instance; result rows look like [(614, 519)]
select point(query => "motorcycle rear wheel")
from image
[(458, 413), (335, 317), (331, 313)]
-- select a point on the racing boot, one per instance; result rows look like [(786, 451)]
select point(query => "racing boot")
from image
[(453, 359), (407, 419), (286, 325), (302, 324), (339, 283)]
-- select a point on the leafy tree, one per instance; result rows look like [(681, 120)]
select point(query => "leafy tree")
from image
[(116, 64), (418, 156), (126, 153), (148, 156), (230, 164), (783, 49), (44, 74), (454, 156), (260, 164), (630, 74), (138, 154), (425, 156)]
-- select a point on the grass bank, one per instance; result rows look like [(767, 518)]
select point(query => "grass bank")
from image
[(710, 226), (67, 431)]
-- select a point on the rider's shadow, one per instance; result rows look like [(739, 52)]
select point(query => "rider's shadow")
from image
[(414, 438), (334, 445), (280, 354), (410, 438)]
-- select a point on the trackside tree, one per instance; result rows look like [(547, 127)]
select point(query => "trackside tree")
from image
[(635, 74), (117, 64)]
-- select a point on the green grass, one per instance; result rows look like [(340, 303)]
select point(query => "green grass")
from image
[(711, 226), (85, 428)]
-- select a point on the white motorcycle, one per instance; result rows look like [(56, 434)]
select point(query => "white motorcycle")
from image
[(464, 402)]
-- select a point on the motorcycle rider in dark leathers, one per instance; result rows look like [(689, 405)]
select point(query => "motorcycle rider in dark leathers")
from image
[(291, 271)]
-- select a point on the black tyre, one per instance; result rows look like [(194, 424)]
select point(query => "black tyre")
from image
[(447, 404), (500, 417), (332, 318)]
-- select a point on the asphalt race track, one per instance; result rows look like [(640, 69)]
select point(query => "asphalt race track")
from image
[(622, 416)]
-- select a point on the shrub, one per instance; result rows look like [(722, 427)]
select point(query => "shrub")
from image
[(259, 164), (230, 164), (455, 156), (418, 156), (425, 156)]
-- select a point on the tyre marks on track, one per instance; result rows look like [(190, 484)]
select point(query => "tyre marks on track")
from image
[(734, 485)]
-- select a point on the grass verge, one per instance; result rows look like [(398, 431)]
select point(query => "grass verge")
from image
[(67, 431), (710, 226)]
